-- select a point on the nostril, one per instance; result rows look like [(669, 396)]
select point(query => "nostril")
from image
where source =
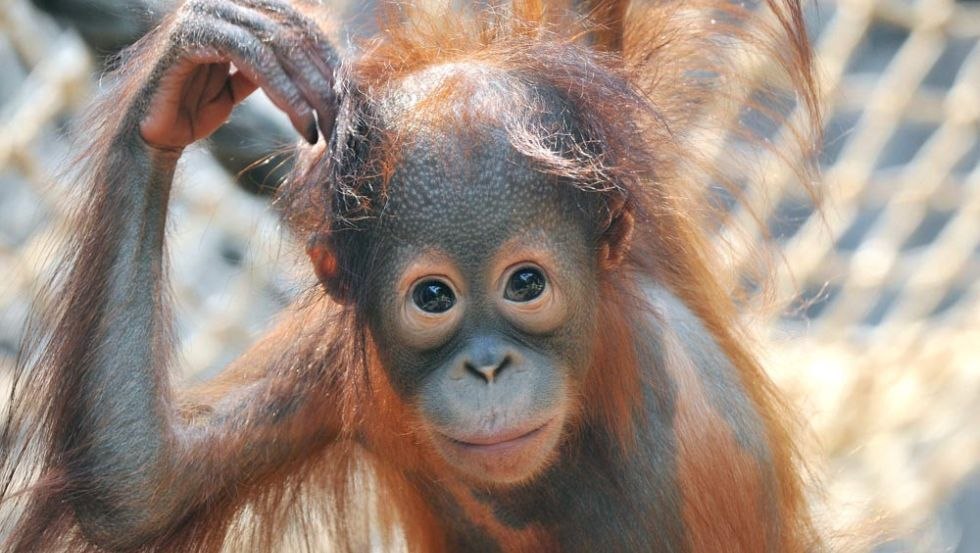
[(475, 370), (503, 365), (490, 371)]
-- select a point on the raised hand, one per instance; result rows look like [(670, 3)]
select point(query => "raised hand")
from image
[(219, 51), (130, 464)]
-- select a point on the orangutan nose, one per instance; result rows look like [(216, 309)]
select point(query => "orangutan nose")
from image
[(487, 371)]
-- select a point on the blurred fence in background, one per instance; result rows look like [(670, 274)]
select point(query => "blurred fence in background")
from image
[(879, 342), (882, 347)]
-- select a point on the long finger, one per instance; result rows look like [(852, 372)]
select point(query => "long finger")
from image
[(258, 62), (324, 55), (315, 81), (217, 79), (235, 88)]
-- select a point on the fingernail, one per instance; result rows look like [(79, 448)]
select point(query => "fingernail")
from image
[(326, 125), (311, 133)]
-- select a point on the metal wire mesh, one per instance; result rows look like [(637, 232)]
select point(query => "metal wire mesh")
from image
[(880, 339)]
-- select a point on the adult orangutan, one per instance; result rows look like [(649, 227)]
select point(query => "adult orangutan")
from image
[(520, 341)]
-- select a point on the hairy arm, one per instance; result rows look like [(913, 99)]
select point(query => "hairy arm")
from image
[(134, 460), (733, 460)]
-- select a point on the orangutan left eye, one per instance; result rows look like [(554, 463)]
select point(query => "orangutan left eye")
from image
[(525, 284)]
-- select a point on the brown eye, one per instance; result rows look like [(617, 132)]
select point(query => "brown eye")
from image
[(433, 296), (525, 284)]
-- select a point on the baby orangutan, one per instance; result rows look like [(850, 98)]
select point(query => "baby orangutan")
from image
[(519, 342)]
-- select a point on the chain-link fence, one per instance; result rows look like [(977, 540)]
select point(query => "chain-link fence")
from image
[(879, 343)]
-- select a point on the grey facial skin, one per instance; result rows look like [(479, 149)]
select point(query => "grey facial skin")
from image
[(469, 212)]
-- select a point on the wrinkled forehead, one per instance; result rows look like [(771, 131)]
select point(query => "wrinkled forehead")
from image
[(467, 194)]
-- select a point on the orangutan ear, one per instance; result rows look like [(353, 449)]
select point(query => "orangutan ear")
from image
[(616, 239), (327, 268)]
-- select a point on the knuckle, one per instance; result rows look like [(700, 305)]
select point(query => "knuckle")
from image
[(266, 31), (268, 61)]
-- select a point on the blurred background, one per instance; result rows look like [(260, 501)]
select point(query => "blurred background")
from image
[(877, 335)]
